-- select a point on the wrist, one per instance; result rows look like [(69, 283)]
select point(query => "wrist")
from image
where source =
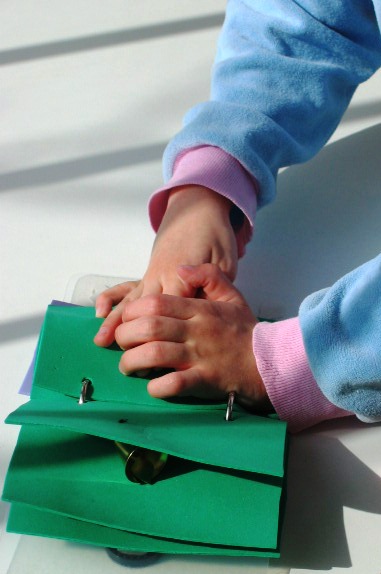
[(208, 203), (255, 398), (187, 194), (252, 393)]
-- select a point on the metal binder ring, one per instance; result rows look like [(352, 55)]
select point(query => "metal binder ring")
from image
[(86, 384), (141, 464), (229, 410)]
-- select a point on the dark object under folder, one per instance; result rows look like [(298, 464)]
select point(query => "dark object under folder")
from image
[(220, 492)]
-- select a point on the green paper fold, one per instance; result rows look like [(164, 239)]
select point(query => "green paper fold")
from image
[(82, 477), (254, 444), (25, 519)]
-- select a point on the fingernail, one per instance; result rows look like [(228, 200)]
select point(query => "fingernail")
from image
[(124, 371), (103, 331), (99, 310)]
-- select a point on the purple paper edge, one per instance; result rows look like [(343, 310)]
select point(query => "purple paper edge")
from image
[(26, 385)]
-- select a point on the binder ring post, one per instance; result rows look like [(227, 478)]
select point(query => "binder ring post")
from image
[(229, 409), (85, 391)]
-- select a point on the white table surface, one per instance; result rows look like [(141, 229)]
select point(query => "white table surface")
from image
[(91, 91)]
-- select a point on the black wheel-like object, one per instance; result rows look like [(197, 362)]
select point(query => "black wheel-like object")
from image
[(132, 559)]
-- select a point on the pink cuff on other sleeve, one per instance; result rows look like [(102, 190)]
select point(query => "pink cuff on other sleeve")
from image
[(210, 167), (291, 387)]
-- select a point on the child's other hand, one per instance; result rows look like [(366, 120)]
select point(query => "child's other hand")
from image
[(208, 341), (195, 229)]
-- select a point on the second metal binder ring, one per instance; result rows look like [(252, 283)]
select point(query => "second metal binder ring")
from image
[(85, 391), (142, 465), (229, 409)]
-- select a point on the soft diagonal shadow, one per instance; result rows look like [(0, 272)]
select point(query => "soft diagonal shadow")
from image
[(323, 478), (20, 328), (81, 167), (362, 111), (324, 223), (109, 39)]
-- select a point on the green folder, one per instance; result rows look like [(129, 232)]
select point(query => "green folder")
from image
[(221, 491)]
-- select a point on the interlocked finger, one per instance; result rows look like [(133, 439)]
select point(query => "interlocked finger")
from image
[(160, 354), (150, 328)]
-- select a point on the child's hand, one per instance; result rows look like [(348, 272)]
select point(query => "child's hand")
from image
[(195, 229), (208, 341)]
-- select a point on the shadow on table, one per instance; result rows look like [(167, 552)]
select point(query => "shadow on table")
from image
[(324, 223), (323, 478)]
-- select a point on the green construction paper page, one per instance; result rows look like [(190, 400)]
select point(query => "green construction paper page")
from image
[(196, 431), (250, 443), (25, 519), (82, 477), (66, 355)]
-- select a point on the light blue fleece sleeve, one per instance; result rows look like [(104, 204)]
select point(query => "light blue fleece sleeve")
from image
[(341, 329), (284, 74)]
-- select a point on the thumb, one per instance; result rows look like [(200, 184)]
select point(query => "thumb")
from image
[(214, 284)]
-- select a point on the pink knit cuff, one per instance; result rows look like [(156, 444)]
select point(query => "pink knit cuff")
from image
[(210, 167), (291, 387)]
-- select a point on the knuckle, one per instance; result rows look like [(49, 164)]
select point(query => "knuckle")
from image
[(125, 311), (150, 327), (129, 284), (155, 352), (153, 304)]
